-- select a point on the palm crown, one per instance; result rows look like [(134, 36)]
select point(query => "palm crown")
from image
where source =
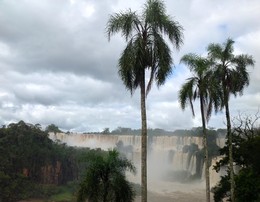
[(229, 68), (201, 85), (146, 47)]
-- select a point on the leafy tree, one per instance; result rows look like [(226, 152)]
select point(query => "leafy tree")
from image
[(52, 128), (106, 131), (247, 180), (246, 141), (124, 131), (201, 86), (105, 179), (233, 77), (146, 50)]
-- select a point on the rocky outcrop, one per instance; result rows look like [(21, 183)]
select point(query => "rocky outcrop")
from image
[(51, 174)]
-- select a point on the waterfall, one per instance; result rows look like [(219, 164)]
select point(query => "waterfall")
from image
[(174, 155)]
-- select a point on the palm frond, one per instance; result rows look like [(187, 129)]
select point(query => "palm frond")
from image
[(197, 64), (205, 86), (162, 60), (126, 66), (124, 191), (150, 82), (174, 31), (126, 22), (228, 49), (146, 48), (230, 69), (189, 60), (153, 13), (105, 179), (238, 81), (185, 94), (140, 61), (156, 18), (215, 90), (242, 61), (214, 51)]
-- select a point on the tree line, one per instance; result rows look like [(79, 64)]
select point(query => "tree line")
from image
[(195, 131)]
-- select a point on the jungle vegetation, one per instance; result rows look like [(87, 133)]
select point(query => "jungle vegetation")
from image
[(246, 150)]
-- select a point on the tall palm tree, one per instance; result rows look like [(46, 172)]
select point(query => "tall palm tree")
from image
[(232, 74), (105, 179), (146, 49), (200, 86)]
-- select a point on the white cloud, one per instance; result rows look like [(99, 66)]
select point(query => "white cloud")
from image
[(57, 65)]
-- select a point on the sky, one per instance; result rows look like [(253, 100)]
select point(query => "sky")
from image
[(58, 67)]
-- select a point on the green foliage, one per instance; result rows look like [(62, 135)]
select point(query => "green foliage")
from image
[(196, 132), (14, 187), (246, 142), (230, 69), (146, 47), (221, 189), (105, 179), (247, 185), (27, 152), (52, 128), (65, 193), (44, 190), (106, 131), (213, 148), (201, 86)]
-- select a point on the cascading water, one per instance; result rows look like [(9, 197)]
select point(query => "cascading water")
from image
[(171, 158)]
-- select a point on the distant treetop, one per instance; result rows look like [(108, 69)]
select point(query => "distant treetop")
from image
[(52, 128)]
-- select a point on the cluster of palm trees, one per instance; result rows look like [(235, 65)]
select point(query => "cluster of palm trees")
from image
[(215, 77)]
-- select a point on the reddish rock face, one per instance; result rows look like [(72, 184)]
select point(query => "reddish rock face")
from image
[(51, 174), (26, 172)]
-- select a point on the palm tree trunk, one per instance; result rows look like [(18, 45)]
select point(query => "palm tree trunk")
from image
[(205, 144), (230, 153), (144, 141)]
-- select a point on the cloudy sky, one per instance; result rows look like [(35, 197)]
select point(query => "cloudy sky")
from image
[(57, 65)]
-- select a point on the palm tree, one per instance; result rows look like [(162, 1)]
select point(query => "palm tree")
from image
[(105, 179), (146, 49), (200, 86), (232, 74)]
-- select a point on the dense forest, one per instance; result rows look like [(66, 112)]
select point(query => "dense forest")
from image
[(30, 162)]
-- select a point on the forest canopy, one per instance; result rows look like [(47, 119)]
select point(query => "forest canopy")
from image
[(29, 159)]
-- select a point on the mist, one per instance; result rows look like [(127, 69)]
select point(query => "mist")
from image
[(172, 162)]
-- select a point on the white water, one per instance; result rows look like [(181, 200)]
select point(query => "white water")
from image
[(159, 161)]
